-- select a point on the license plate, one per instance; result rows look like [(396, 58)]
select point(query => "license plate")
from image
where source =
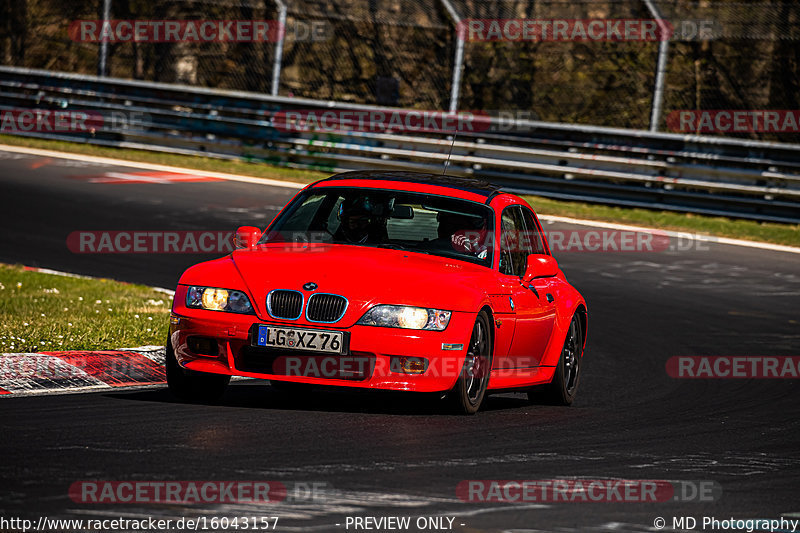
[(301, 339)]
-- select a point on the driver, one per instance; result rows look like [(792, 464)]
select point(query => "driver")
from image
[(358, 224), (465, 234)]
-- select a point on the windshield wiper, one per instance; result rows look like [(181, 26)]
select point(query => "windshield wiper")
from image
[(393, 246)]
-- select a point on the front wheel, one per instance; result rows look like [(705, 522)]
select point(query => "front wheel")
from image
[(190, 385), (564, 387), (470, 389)]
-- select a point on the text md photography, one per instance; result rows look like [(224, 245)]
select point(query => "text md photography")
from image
[(399, 266)]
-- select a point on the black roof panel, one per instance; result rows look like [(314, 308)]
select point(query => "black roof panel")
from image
[(473, 185)]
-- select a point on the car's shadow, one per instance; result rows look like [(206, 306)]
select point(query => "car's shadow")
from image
[(258, 394)]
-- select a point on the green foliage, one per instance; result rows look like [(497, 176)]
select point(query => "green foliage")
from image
[(44, 312)]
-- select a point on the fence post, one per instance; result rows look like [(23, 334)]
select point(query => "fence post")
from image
[(102, 60), (455, 89), (276, 63), (661, 65)]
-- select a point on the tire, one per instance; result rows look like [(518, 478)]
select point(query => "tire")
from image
[(190, 385), (470, 389), (564, 387)]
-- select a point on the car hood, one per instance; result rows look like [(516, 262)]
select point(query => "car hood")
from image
[(365, 276)]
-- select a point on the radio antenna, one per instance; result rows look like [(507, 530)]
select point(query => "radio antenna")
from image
[(447, 161)]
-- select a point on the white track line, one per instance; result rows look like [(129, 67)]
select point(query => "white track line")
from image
[(148, 166), (294, 185), (81, 390), (679, 234), (52, 272)]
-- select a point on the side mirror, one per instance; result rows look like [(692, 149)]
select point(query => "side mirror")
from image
[(246, 237), (540, 266)]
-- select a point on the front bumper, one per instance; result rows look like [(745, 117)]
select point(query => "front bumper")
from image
[(371, 362)]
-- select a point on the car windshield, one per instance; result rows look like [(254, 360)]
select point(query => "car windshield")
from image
[(415, 222)]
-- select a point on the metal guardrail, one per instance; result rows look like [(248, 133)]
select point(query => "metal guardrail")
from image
[(691, 173)]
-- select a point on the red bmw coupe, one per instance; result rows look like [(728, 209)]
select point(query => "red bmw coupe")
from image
[(385, 280)]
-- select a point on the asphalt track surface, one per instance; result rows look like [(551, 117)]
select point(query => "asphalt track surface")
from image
[(399, 455)]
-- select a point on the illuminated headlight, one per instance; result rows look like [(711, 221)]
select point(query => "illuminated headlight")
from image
[(402, 316), (218, 300)]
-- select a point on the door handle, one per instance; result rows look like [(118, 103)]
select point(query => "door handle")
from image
[(550, 297)]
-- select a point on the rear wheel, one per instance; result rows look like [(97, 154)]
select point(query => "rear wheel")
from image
[(470, 389), (564, 387), (191, 385)]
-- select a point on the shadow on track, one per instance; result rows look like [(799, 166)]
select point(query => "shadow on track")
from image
[(260, 395)]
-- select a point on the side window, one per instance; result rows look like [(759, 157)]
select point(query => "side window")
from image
[(513, 257), (533, 237)]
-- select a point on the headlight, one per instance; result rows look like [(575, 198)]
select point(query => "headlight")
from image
[(402, 316), (218, 300)]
